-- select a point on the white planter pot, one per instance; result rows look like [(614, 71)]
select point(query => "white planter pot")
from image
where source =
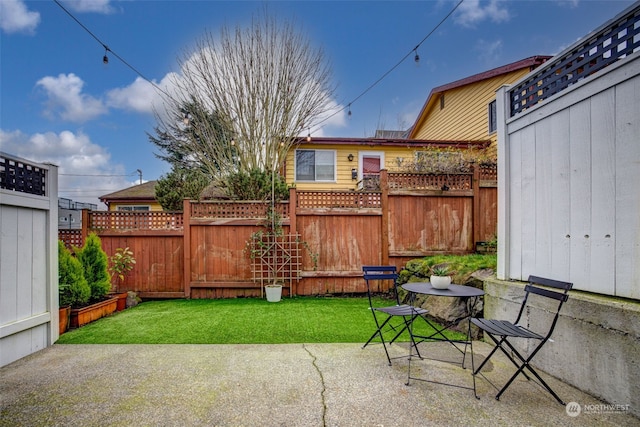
[(440, 282), (273, 292)]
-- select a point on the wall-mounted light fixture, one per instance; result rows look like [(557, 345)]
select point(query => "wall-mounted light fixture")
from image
[(350, 157), (354, 173)]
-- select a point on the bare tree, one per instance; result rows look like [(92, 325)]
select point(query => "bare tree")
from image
[(265, 85)]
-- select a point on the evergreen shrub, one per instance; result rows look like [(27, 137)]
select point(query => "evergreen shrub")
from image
[(73, 289)]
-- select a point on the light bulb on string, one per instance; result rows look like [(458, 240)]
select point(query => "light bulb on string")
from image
[(349, 112), (417, 57), (105, 58), (309, 136)]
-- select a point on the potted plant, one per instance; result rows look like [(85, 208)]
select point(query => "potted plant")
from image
[(273, 291), (121, 263), (488, 247), (440, 276), (73, 289)]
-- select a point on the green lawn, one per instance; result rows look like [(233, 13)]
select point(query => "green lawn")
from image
[(237, 321)]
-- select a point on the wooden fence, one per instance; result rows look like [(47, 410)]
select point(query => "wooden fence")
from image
[(202, 252)]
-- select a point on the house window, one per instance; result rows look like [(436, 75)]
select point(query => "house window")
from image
[(133, 208), (316, 165), (493, 119)]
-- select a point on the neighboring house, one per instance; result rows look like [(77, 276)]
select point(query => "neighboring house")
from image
[(459, 114), (70, 213), (140, 197), (345, 163), (466, 109)]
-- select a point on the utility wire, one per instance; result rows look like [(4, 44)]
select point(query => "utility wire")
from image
[(391, 69), (79, 174), (107, 49), (375, 83)]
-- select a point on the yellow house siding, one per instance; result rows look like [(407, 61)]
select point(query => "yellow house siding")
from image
[(344, 166), (113, 206), (465, 113)]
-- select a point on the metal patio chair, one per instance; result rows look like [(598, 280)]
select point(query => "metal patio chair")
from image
[(501, 331), (408, 313)]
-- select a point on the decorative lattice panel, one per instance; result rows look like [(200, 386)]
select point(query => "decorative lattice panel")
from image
[(276, 258), (21, 176), (611, 43)]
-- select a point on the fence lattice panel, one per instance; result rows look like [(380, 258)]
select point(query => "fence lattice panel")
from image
[(339, 199), (127, 220), (227, 209), (428, 181), (71, 238)]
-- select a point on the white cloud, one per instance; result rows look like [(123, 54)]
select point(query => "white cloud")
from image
[(335, 118), (98, 6), (16, 18), (85, 169), (66, 100), (490, 51), (472, 12), (140, 96)]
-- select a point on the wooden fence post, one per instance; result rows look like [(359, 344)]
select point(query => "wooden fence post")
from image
[(186, 246), (293, 230), (475, 210), (86, 219), (293, 226), (384, 228)]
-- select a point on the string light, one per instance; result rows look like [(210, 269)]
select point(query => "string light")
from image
[(416, 58), (105, 58)]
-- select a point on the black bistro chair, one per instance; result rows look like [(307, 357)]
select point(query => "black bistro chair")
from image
[(392, 322), (500, 331)]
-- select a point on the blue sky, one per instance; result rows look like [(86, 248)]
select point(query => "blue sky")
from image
[(60, 104)]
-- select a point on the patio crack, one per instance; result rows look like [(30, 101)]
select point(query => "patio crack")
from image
[(324, 387)]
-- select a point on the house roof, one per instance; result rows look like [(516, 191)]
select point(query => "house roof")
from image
[(145, 191), (531, 63), (394, 142), (382, 133)]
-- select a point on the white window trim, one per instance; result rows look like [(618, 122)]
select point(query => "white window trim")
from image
[(363, 154), (295, 166), (489, 117), (132, 208)]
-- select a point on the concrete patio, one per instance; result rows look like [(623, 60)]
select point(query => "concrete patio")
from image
[(277, 385)]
